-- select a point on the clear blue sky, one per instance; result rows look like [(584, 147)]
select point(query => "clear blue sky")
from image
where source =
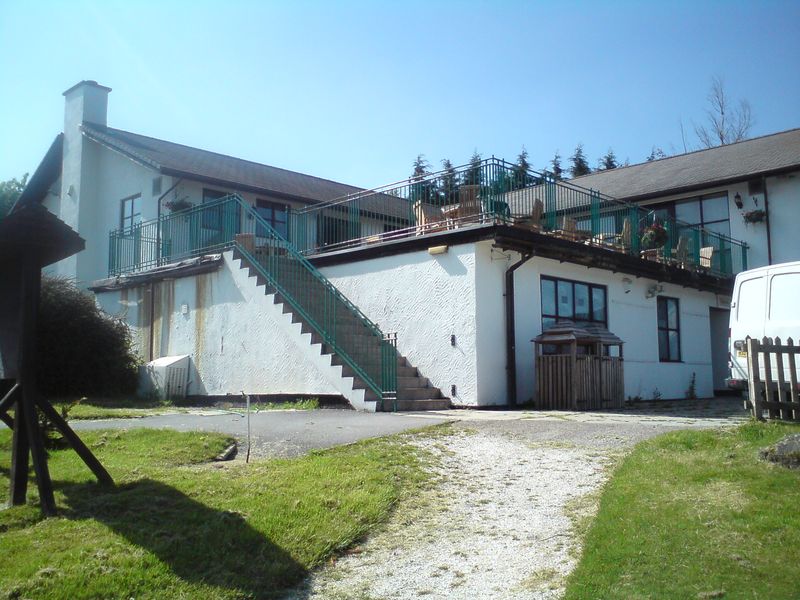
[(353, 91)]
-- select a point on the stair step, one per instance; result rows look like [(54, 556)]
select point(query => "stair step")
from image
[(420, 393), (416, 381), (407, 371), (420, 404)]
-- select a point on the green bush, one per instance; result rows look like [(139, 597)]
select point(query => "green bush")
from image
[(81, 350)]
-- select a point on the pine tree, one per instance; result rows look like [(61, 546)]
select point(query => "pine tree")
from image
[(448, 183), (609, 161), (421, 167), (656, 154), (522, 169), (558, 172), (580, 166), (473, 174)]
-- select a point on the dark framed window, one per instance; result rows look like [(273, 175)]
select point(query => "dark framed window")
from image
[(274, 213), (669, 329), (131, 212), (564, 299)]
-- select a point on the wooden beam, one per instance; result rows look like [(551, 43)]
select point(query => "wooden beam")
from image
[(76, 442), (19, 461)]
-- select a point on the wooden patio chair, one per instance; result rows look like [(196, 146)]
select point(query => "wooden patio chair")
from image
[(429, 218), (534, 220), (625, 236), (681, 252), (706, 254), (569, 230), (469, 203)]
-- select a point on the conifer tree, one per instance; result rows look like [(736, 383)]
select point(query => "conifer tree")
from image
[(473, 173), (555, 164), (580, 166), (448, 183), (609, 161), (522, 169)]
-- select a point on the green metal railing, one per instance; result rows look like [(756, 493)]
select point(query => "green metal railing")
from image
[(232, 223), (497, 192)]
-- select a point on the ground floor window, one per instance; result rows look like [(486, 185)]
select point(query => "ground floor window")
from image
[(563, 299), (669, 331)]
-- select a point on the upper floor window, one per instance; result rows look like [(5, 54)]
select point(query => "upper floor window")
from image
[(563, 299), (212, 216), (709, 211), (131, 212), (274, 213), (669, 330)]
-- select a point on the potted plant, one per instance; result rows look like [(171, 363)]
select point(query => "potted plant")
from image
[(178, 204), (754, 216), (654, 236)]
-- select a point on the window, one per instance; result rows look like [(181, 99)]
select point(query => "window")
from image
[(783, 297), (572, 300), (275, 214), (131, 212), (709, 211), (332, 230), (669, 334)]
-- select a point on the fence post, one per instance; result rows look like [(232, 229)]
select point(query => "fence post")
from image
[(754, 382)]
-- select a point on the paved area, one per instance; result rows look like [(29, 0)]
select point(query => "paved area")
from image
[(279, 433)]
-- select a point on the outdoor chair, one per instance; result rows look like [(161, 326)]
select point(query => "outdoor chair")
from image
[(469, 203), (706, 254), (681, 252), (429, 218), (534, 220)]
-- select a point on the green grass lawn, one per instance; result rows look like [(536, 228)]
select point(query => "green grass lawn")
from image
[(131, 408), (696, 514), (177, 526)]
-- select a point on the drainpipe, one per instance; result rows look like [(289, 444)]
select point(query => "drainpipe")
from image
[(511, 343), (766, 219), (158, 215)]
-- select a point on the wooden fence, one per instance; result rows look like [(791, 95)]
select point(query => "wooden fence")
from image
[(773, 384), (585, 382)]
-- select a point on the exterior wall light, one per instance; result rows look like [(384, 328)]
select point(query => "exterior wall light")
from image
[(437, 250), (738, 200)]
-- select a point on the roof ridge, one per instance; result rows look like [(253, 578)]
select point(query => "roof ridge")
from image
[(252, 162), (659, 160)]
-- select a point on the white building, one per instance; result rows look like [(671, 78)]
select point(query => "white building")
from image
[(465, 274)]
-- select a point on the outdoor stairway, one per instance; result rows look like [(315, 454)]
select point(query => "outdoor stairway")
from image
[(414, 392)]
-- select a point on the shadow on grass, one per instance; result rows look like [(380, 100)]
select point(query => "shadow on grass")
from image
[(198, 543)]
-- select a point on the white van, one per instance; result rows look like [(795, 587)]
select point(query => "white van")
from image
[(766, 302)]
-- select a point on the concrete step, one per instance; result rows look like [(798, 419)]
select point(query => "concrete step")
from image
[(419, 393), (407, 371), (412, 382), (420, 404)]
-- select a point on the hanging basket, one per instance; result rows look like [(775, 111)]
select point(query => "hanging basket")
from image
[(654, 236), (754, 216)]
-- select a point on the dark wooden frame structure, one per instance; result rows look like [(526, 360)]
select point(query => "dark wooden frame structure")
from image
[(31, 238)]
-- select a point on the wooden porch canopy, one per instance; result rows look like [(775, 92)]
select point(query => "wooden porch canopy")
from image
[(31, 237), (581, 374)]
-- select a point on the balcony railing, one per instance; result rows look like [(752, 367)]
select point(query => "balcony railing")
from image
[(471, 195), (497, 192)]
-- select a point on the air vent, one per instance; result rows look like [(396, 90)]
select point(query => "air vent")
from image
[(156, 186)]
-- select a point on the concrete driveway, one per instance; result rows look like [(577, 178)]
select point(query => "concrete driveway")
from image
[(279, 433)]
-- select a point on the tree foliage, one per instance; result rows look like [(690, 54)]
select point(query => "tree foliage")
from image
[(449, 183), (727, 121), (10, 191), (579, 165), (522, 175), (609, 161), (81, 350), (656, 154), (472, 176), (555, 167)]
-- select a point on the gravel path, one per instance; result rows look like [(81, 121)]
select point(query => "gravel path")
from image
[(501, 521), (497, 525)]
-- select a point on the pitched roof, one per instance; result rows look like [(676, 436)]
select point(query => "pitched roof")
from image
[(45, 175), (765, 155), (183, 161)]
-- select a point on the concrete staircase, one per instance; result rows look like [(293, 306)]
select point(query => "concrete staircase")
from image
[(414, 391)]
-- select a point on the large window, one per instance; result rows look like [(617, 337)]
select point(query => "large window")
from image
[(275, 214), (212, 217), (563, 299), (709, 211), (669, 330), (131, 212)]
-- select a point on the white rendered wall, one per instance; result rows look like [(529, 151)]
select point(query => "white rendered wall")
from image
[(238, 339), (425, 299), (632, 317), (784, 216)]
